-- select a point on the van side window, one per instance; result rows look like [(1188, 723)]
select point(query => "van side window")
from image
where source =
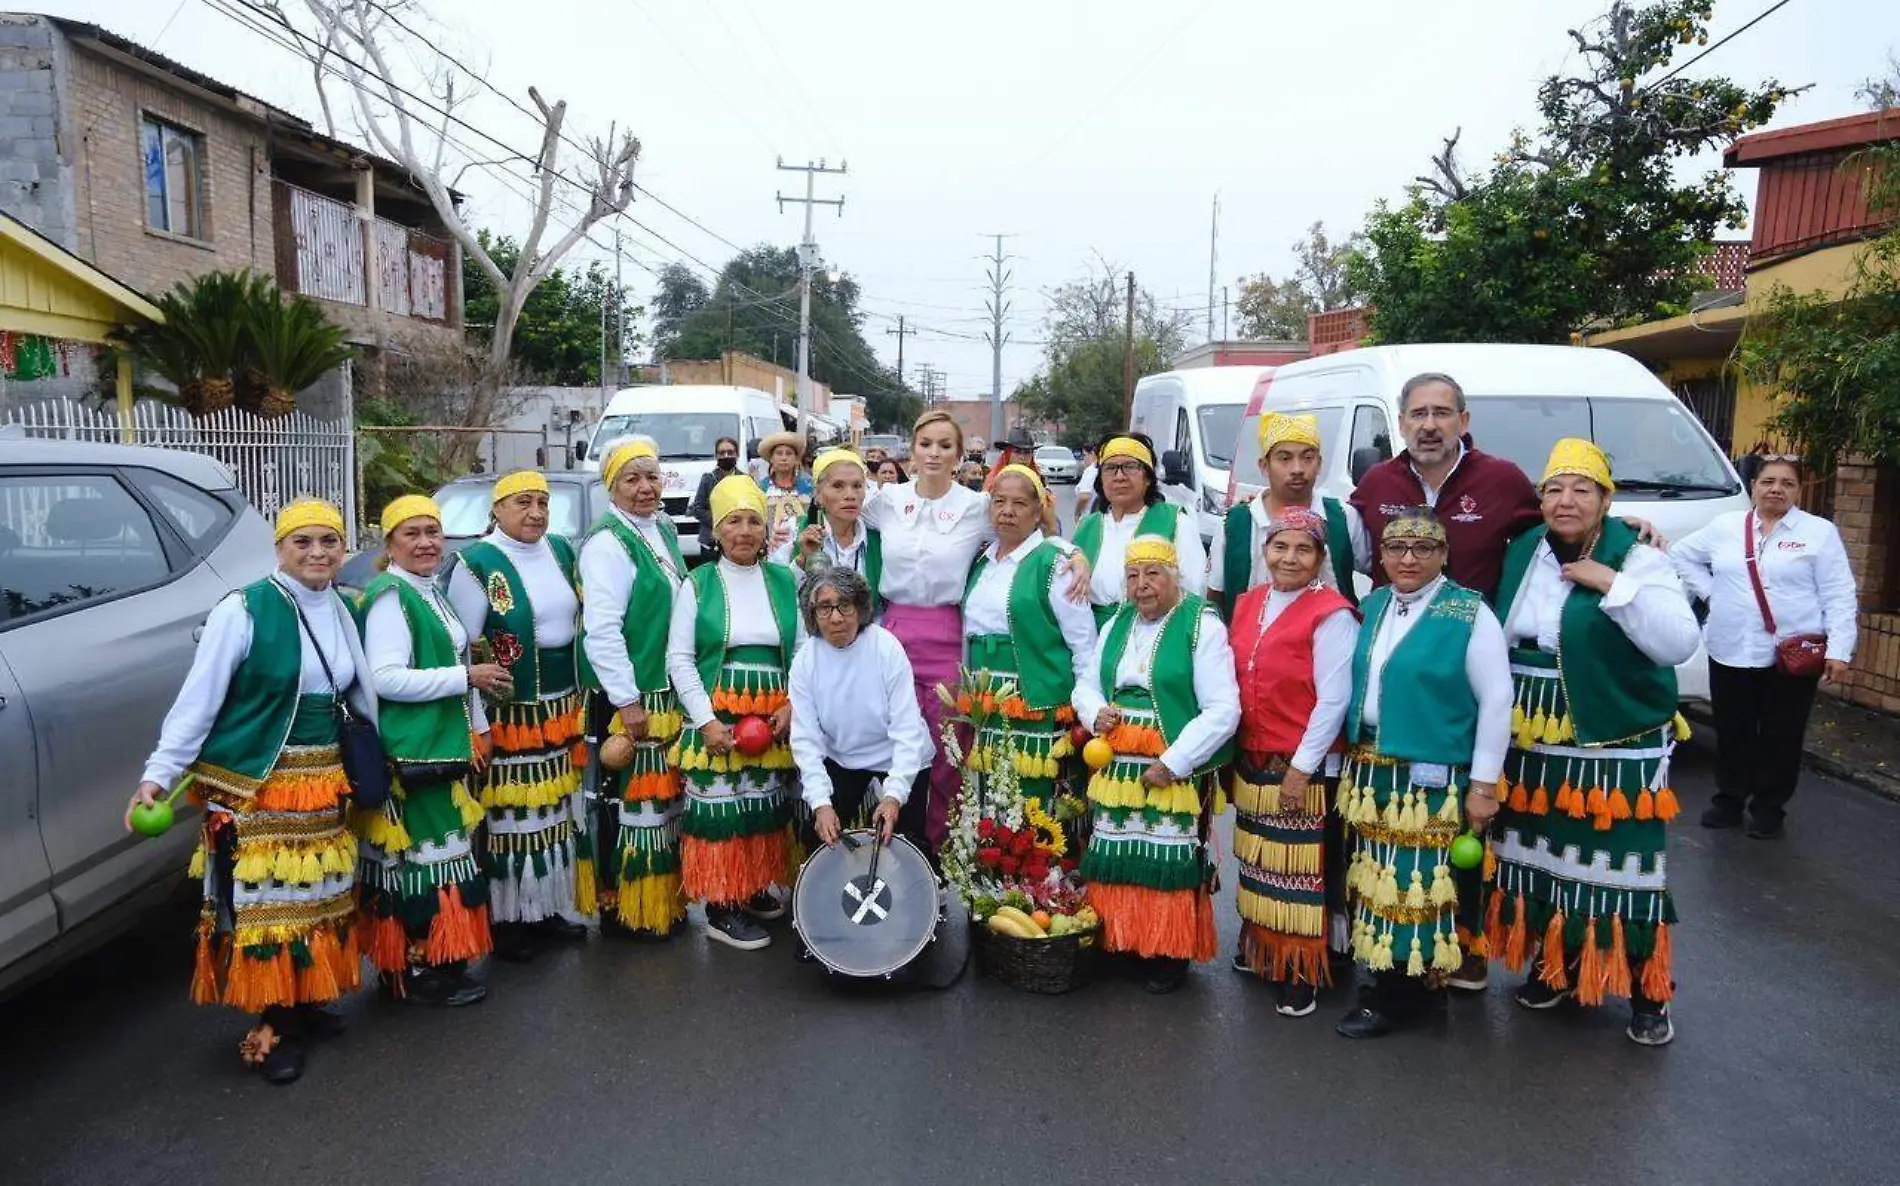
[(1183, 441), (1370, 430), (72, 539)]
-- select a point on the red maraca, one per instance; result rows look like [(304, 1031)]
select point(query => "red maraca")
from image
[(752, 736)]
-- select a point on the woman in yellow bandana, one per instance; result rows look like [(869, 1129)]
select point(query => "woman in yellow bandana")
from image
[(1596, 623), (1128, 503), (833, 535), (735, 625), (425, 900), (255, 732), (517, 595)]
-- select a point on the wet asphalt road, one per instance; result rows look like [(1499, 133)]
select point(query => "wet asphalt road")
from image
[(690, 1063)]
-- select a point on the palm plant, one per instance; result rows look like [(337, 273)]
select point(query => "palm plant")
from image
[(201, 345), (291, 345)]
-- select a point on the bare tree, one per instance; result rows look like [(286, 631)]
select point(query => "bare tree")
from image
[(355, 44), (1882, 92)]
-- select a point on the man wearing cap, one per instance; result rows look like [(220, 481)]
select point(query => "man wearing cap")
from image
[(1290, 462), (631, 568)]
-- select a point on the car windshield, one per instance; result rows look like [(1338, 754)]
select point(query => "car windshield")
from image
[(885, 442), (465, 508), (679, 436), (1655, 446), (1246, 463), (1054, 453), (1220, 426)]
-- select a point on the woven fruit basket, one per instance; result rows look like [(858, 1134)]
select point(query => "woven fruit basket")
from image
[(1050, 966)]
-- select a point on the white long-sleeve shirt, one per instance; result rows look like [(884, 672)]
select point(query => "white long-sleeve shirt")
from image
[(928, 543), (1804, 571), (556, 609), (986, 609), (1214, 687), (226, 643), (857, 706), (835, 554), (1487, 669), (1258, 521), (1645, 601), (607, 578), (1334, 640), (1108, 582), (391, 652), (748, 610)]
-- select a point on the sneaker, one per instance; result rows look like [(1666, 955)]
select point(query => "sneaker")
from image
[(1366, 1021), (765, 906), (1241, 965), (1474, 975), (1537, 995), (735, 928), (1718, 816), (1651, 1027), (1297, 1000), (1761, 829)]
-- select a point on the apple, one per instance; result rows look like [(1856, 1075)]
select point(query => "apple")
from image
[(1467, 852), (752, 735), (152, 819)]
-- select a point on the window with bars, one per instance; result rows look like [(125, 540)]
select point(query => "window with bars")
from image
[(173, 160), (1712, 399)]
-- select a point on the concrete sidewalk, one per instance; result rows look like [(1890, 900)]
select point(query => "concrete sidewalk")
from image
[(1852, 743)]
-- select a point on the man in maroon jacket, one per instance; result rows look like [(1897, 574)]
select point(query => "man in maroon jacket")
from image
[(1483, 501)]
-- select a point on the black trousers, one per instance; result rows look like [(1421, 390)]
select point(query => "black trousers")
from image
[(849, 792), (1761, 716)]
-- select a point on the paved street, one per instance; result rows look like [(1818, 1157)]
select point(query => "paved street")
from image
[(693, 1064)]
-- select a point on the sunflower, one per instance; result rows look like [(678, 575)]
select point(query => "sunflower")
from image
[(1048, 833)]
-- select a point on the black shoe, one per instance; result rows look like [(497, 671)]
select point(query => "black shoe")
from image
[(319, 1024), (1165, 975), (1473, 975), (1718, 816), (514, 943), (1540, 996), (736, 928), (1297, 1000), (1650, 1026), (284, 1064), (1761, 829), (442, 988), (561, 930), (765, 906), (1366, 1021), (1242, 966)]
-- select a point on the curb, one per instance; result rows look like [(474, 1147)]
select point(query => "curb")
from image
[(1886, 786)]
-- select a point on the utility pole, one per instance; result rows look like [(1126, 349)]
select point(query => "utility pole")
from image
[(606, 393), (1213, 264), (620, 318), (1128, 356), (807, 261), (900, 331), (1223, 313), (998, 307)]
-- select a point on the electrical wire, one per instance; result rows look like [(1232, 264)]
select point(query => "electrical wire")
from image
[(1763, 15)]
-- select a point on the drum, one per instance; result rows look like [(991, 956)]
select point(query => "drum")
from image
[(860, 921)]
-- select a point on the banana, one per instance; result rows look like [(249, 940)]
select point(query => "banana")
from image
[(1004, 925), (1018, 917)]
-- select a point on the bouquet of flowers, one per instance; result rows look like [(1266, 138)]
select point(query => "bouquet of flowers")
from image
[(1007, 856)]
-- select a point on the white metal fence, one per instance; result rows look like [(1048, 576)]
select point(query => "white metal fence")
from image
[(273, 460)]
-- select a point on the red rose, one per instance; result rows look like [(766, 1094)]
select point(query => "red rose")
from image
[(989, 856), (1022, 844), (1010, 866), (1069, 865), (986, 828)]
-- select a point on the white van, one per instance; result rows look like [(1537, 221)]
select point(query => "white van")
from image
[(1522, 400), (1192, 416), (686, 422)]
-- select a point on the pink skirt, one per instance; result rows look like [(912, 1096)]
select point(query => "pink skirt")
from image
[(932, 636)]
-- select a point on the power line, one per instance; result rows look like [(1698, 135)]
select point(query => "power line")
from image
[(709, 84), (1715, 45), (791, 76)]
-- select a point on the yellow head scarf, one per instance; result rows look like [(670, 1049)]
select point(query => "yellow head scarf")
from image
[(737, 493), (1278, 428), (1126, 447), (1575, 455), (309, 512), (831, 457), (1420, 526), (519, 482), (1035, 479), (409, 506), (1151, 549), (624, 452)]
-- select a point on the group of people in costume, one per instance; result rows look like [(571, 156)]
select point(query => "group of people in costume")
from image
[(602, 732)]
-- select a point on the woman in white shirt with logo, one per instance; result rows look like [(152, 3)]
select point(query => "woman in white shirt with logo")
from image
[(1761, 710)]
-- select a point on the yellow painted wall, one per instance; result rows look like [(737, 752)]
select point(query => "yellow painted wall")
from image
[(36, 297)]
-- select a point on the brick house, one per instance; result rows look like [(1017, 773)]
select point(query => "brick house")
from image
[(155, 173)]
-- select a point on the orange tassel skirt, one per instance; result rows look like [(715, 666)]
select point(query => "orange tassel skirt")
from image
[(424, 896)]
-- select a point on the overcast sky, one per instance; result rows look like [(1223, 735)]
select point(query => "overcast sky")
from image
[(1081, 129)]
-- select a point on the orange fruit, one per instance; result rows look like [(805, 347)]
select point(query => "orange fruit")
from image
[(1041, 919), (1098, 753)]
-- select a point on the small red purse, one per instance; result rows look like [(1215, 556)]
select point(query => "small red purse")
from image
[(1803, 656)]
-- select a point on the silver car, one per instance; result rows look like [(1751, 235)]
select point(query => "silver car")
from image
[(1057, 464), (110, 558)]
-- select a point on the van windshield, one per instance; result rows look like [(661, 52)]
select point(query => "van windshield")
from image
[(465, 508), (1246, 462), (680, 436), (1655, 446), (1220, 425)]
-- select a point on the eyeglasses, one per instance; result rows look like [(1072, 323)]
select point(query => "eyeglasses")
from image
[(1421, 414), (1121, 467), (834, 609), (1423, 549), (726, 453)]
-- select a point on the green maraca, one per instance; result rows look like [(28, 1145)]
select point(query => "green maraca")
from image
[(1467, 852), (155, 818)]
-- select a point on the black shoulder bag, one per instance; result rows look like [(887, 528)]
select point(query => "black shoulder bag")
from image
[(365, 762)]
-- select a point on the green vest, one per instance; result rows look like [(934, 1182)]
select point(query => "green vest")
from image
[(1173, 675), (873, 552), (509, 611), (1238, 553), (649, 608), (1045, 673), (1427, 709), (1160, 519), (1612, 691), (434, 730), (710, 634), (253, 724)]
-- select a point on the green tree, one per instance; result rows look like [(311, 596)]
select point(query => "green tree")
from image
[(680, 294), (1881, 92), (1836, 359), (1583, 223), (557, 339), (1080, 383), (753, 307)]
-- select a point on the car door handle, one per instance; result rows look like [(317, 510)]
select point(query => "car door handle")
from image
[(198, 633)]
